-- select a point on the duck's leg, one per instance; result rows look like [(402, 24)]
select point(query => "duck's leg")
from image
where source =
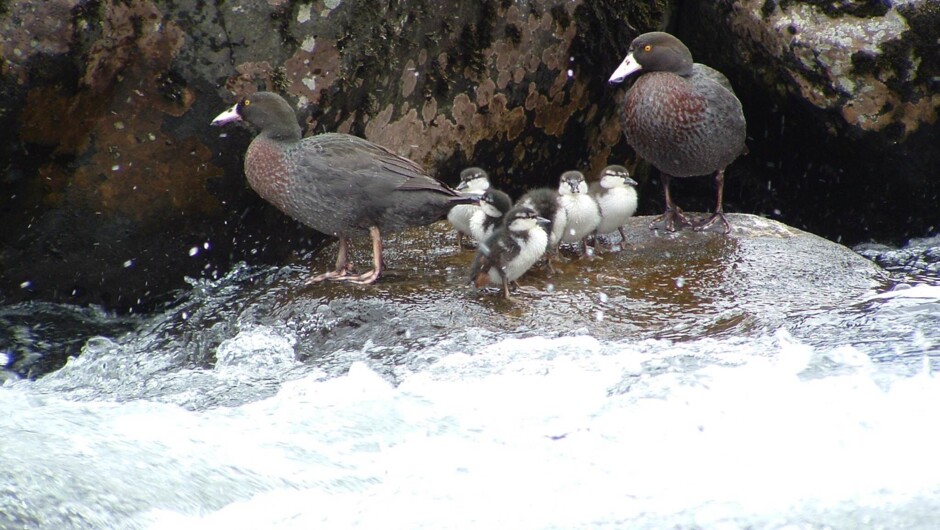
[(623, 238), (595, 239), (719, 214), (502, 276), (586, 252), (673, 216), (551, 255), (377, 263), (343, 267)]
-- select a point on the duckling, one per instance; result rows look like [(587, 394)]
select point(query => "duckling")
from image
[(547, 203), (473, 180), (511, 251), (615, 193), (583, 212), (493, 206)]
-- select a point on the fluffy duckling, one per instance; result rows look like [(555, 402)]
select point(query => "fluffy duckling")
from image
[(493, 206), (547, 203), (473, 180), (583, 212), (615, 193), (512, 249)]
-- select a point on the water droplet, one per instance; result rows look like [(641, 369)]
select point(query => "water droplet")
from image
[(680, 282), (128, 263), (193, 251), (602, 298), (26, 285)]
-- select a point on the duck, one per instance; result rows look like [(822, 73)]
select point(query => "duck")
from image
[(547, 203), (615, 193), (511, 250), (337, 184), (682, 117), (583, 213), (473, 180), (493, 206)]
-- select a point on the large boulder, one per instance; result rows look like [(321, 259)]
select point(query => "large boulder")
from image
[(842, 103), (115, 186), (762, 277)]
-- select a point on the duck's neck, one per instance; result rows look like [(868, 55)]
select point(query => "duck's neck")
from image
[(283, 132), (268, 172)]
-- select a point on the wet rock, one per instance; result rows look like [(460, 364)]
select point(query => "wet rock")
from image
[(920, 257), (118, 187), (764, 276), (842, 100)]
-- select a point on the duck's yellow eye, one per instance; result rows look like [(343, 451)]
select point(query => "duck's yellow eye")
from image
[(246, 102), (648, 48)]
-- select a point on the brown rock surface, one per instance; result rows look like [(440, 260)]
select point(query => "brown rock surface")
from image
[(842, 101), (119, 188)]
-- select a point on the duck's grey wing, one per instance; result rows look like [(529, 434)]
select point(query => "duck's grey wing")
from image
[(707, 72)]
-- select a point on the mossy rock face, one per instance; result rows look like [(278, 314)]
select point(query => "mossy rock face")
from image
[(118, 188), (842, 100)]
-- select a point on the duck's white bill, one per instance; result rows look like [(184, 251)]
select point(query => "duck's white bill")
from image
[(627, 67), (228, 116)]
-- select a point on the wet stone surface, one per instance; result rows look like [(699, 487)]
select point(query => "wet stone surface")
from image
[(680, 287), (677, 287), (920, 257)]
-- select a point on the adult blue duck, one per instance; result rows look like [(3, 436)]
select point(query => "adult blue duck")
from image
[(682, 117), (337, 184)]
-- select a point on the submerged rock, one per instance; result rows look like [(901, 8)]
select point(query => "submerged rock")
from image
[(919, 257)]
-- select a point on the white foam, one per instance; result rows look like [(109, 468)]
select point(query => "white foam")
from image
[(523, 433), (920, 291)]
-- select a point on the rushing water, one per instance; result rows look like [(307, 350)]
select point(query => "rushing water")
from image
[(249, 405)]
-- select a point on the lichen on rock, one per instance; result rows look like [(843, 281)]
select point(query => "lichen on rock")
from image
[(852, 61)]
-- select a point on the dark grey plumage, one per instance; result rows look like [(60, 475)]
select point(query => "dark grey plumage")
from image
[(680, 116), (337, 184)]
